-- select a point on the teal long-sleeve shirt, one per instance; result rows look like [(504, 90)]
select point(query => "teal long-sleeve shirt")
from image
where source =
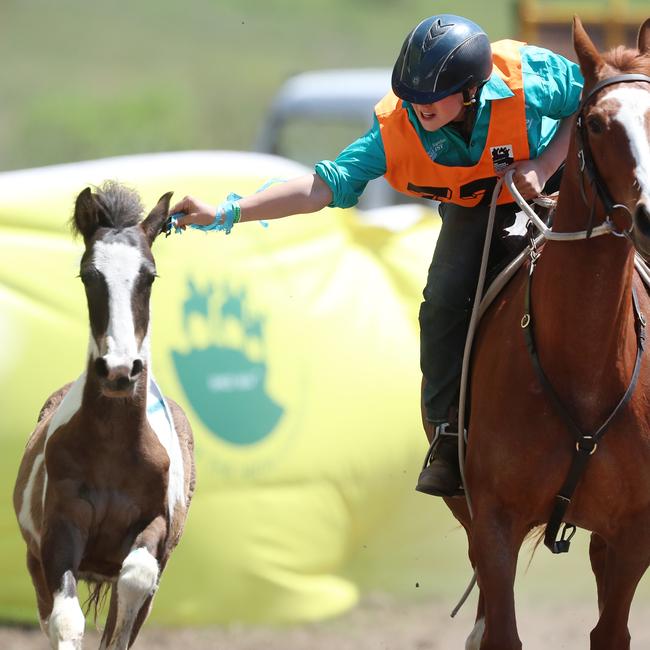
[(552, 87)]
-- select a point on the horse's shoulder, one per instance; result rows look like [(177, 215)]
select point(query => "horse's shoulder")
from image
[(53, 401), (36, 440), (181, 423), (186, 441), (508, 303)]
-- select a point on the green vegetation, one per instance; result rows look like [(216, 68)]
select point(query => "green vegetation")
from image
[(83, 79)]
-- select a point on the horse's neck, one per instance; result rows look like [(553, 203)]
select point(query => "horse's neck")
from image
[(584, 322)]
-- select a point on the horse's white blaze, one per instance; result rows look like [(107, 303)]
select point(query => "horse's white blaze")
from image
[(474, 639), (120, 264), (66, 623), (633, 115), (25, 517)]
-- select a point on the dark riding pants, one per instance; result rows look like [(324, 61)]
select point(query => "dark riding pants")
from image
[(449, 294), (448, 298)]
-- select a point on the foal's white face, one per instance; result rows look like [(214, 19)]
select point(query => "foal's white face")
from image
[(117, 276), (117, 270)]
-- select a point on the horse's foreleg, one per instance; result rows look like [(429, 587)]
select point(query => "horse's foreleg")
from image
[(473, 641), (494, 547), (625, 565), (43, 595), (137, 583), (460, 510), (598, 558), (61, 552)]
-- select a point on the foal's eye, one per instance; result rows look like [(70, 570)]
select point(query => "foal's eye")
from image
[(595, 125)]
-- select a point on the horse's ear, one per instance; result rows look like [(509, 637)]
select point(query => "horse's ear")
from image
[(643, 39), (155, 221), (588, 56), (86, 214)]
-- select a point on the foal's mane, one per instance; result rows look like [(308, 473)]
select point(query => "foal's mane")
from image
[(117, 206), (627, 60)]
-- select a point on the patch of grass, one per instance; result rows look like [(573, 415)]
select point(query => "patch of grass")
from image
[(87, 79)]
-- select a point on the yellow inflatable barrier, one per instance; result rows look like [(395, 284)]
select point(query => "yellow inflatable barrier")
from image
[(293, 349)]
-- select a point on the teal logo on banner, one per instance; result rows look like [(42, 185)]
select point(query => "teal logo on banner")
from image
[(224, 374)]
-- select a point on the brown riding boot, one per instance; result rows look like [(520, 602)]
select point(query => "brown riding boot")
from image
[(441, 477)]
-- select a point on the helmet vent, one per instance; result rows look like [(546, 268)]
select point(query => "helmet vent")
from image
[(437, 30)]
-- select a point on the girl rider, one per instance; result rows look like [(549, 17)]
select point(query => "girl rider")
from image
[(460, 113)]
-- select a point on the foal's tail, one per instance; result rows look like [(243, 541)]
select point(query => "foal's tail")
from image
[(97, 594)]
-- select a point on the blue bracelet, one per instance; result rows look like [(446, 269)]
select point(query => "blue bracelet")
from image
[(227, 215)]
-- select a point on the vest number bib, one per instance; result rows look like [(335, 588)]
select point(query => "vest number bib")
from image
[(480, 189)]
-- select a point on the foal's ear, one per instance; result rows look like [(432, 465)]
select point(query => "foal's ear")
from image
[(86, 214), (643, 39), (588, 56), (154, 223)]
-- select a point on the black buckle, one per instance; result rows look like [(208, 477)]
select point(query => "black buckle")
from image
[(587, 443), (566, 535)]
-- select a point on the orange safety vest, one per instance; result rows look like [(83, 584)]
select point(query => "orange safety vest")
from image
[(410, 170)]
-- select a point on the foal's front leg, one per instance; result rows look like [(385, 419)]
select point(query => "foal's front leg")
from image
[(61, 552), (136, 585)]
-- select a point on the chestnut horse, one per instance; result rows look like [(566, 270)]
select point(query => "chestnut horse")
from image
[(107, 477), (588, 337)]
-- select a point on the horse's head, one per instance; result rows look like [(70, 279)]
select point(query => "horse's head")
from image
[(117, 270), (613, 133)]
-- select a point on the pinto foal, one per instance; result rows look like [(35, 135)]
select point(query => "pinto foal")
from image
[(108, 474)]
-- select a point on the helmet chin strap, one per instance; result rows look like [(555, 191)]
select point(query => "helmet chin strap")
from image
[(468, 100), (469, 103)]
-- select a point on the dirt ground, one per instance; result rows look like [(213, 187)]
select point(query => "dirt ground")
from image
[(378, 624)]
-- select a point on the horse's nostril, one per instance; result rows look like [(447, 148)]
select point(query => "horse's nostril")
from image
[(122, 383), (137, 368), (101, 367)]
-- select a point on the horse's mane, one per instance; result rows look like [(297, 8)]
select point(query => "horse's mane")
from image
[(626, 60), (118, 206)]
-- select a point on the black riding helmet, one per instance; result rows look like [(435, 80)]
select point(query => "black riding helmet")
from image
[(443, 55)]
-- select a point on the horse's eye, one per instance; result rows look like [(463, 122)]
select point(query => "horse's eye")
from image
[(595, 125)]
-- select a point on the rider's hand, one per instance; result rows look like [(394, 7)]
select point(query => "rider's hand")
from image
[(529, 177), (193, 212)]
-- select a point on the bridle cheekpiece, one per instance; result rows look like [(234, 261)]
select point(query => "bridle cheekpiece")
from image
[(587, 166)]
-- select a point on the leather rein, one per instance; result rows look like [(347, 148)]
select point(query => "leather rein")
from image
[(586, 443)]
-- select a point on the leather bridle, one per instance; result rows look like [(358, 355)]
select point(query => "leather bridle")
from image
[(587, 166)]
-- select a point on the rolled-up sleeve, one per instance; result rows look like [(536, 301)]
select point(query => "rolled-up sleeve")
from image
[(558, 83), (358, 163)]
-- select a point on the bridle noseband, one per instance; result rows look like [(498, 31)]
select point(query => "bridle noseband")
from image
[(587, 166)]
